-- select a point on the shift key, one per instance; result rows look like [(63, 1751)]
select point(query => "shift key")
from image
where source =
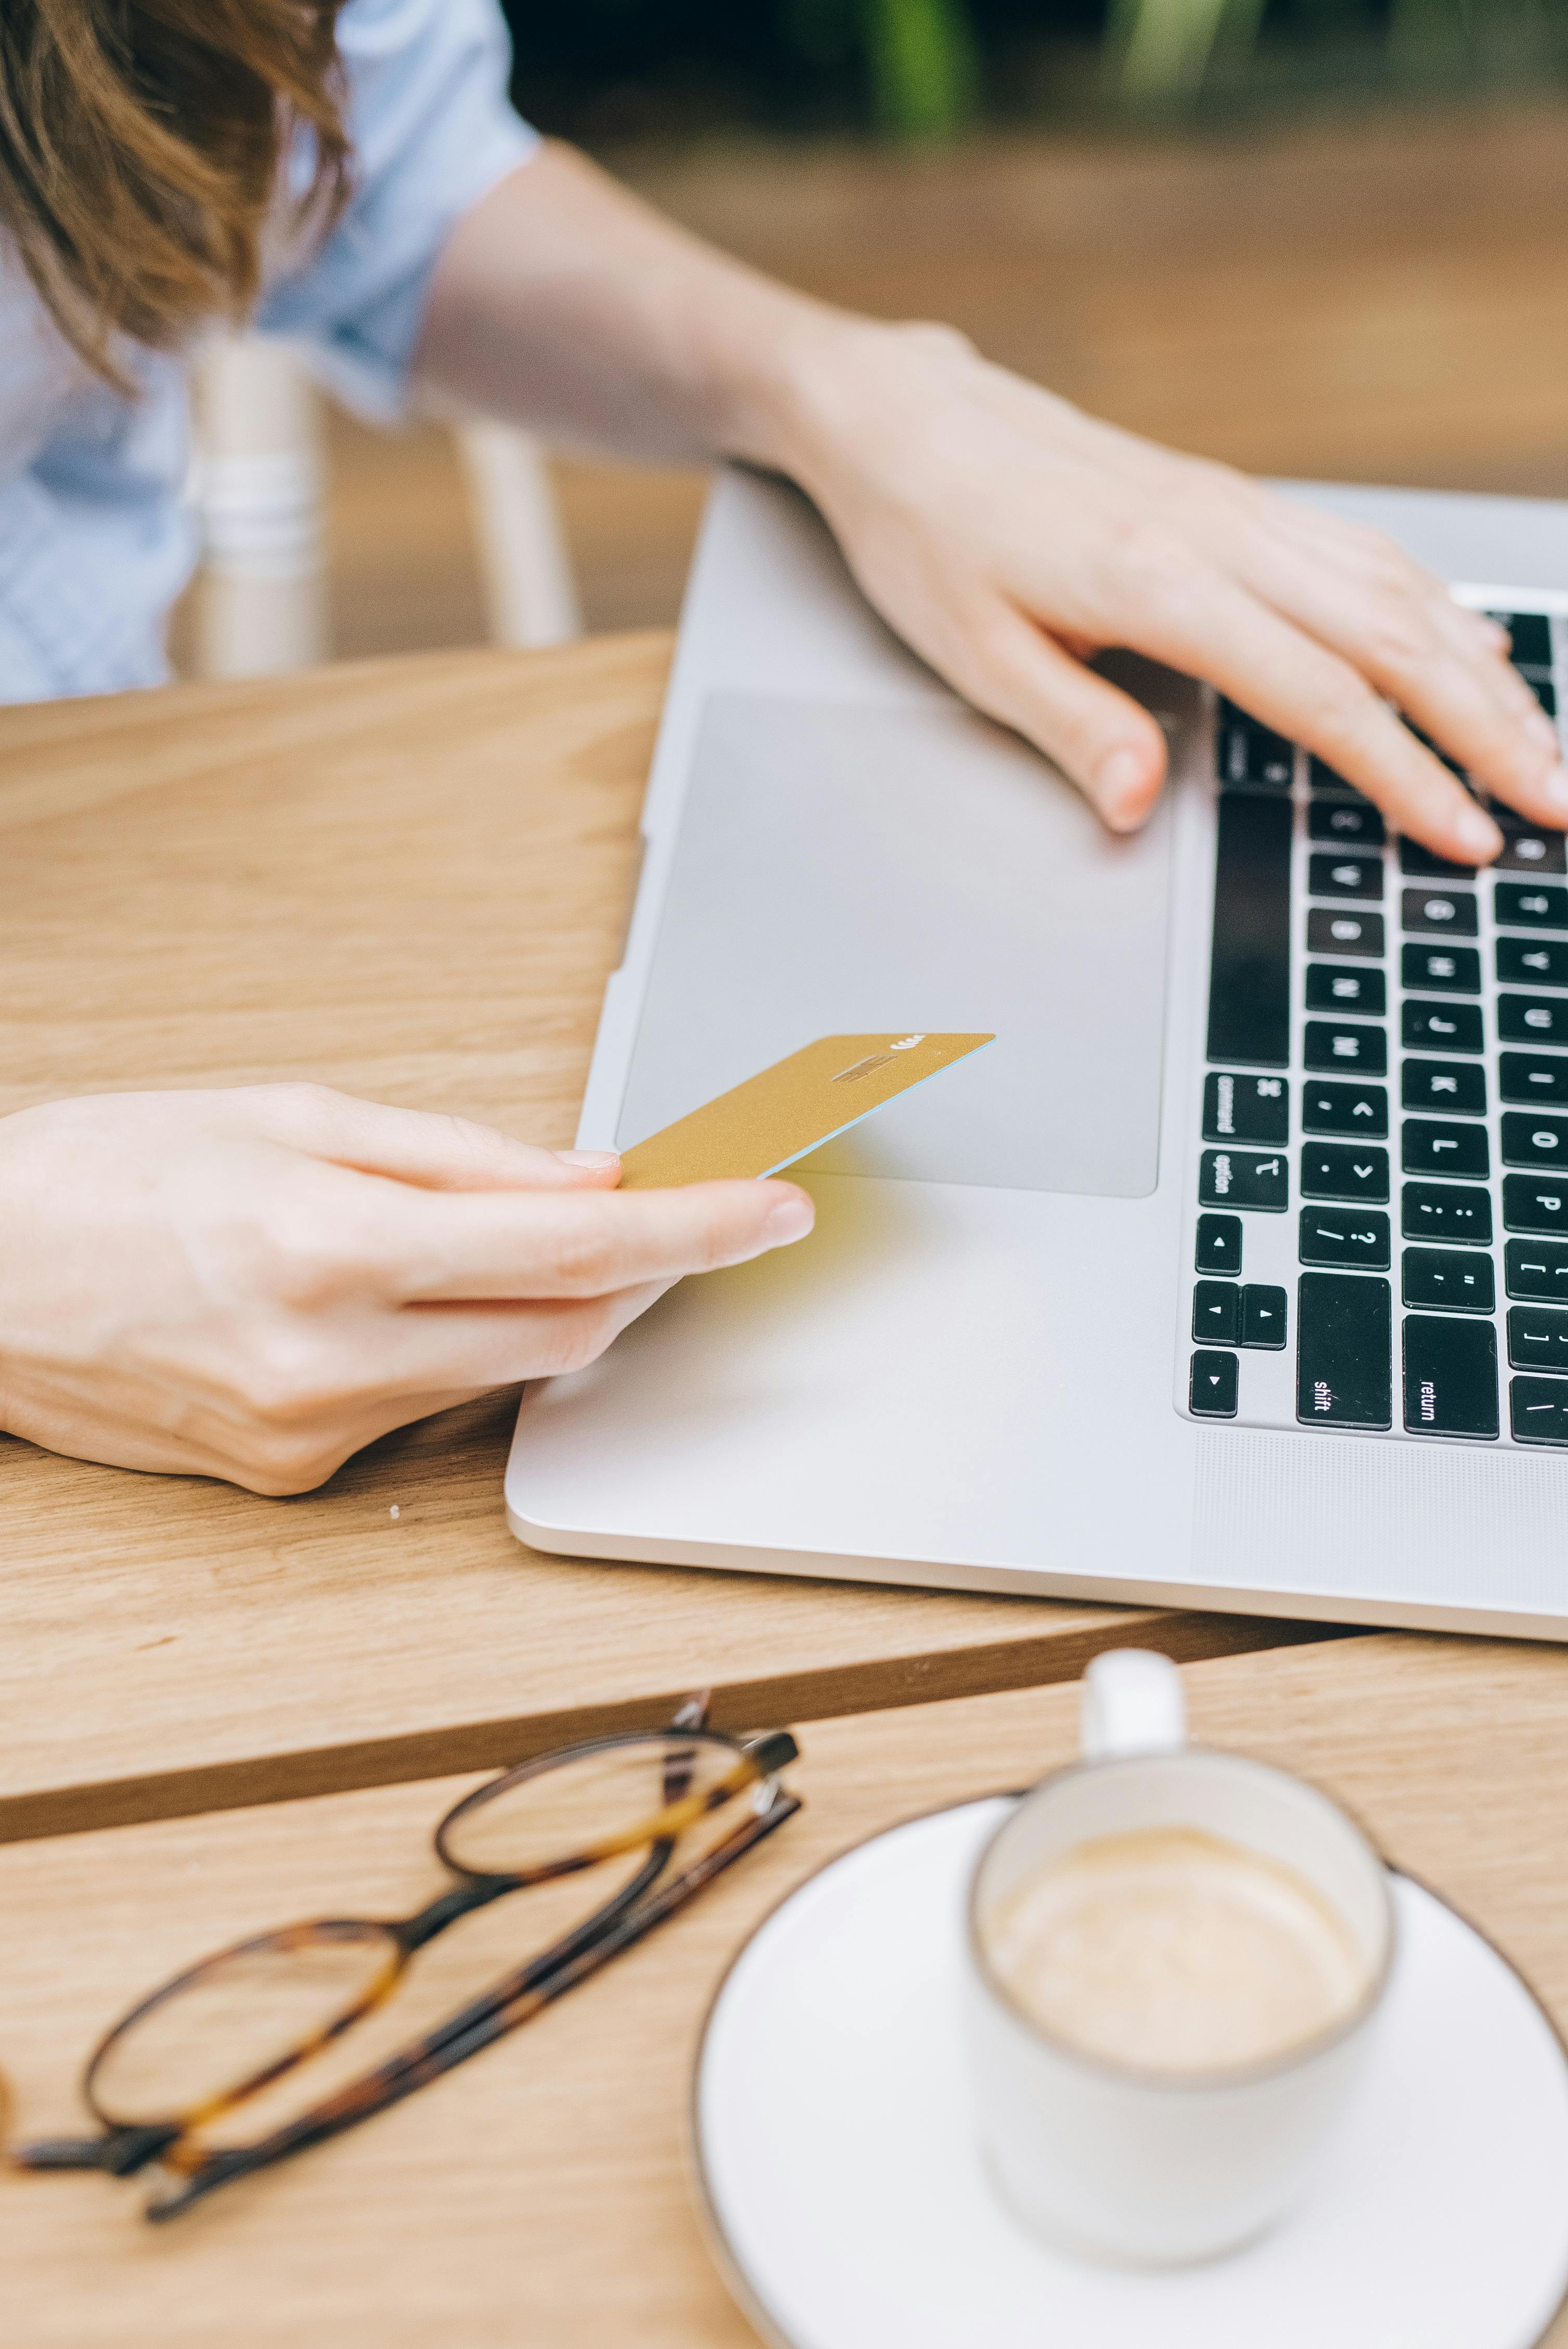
[(1343, 1337)]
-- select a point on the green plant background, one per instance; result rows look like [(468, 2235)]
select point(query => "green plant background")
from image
[(917, 70)]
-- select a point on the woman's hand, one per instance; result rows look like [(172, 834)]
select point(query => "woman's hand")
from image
[(1003, 533), (253, 1283), (1008, 537)]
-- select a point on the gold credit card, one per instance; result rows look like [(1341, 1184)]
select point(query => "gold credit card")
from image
[(792, 1109)]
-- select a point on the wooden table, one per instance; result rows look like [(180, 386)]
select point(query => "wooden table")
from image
[(409, 879), (539, 2196)]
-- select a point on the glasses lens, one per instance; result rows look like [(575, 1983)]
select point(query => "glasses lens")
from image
[(238, 2020), (597, 1801)]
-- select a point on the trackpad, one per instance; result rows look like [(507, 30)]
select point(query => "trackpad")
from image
[(845, 867)]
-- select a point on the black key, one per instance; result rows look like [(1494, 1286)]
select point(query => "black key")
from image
[(1534, 1203), (1433, 1211), (1345, 1109), (1331, 1047), (1418, 863), (1456, 1086), (1545, 692), (1262, 1316), (1531, 851), (1538, 1410), (1451, 1376), (1252, 754), (1438, 913), (1525, 1077), (1428, 1148), (1446, 970), (1339, 1170), (1529, 638), (1329, 932), (1533, 962), (1325, 778), (1440, 1027), (1531, 1020), (1331, 988), (1521, 907), (1348, 824), (1344, 1335), (1446, 1277), (1537, 1338), (1536, 1269), (1240, 1178), (1538, 1141), (1216, 1313), (1345, 877), (1249, 982), (1334, 1236), (1212, 1385), (1219, 1244), (1246, 1109)]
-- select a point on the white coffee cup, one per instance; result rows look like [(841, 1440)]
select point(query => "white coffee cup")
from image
[(1140, 2166)]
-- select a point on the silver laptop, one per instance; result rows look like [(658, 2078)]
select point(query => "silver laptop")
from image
[(1234, 1273)]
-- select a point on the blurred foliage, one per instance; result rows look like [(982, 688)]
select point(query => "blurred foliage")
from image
[(922, 69)]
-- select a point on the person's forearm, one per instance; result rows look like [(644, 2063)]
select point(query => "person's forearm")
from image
[(1004, 535), (566, 303)]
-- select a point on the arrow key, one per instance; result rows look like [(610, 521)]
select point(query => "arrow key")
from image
[(1216, 1313), (1212, 1385), (1262, 1316)]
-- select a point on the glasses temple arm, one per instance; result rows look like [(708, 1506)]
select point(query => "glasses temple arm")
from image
[(121, 2151), (479, 2027)]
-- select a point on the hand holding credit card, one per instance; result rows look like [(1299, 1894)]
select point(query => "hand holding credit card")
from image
[(788, 1110)]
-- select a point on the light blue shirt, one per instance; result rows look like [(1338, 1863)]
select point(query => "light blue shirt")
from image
[(98, 535)]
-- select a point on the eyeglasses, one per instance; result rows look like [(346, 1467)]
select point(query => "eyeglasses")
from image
[(171, 2083)]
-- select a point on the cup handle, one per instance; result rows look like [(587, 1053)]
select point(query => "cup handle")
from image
[(1132, 1703)]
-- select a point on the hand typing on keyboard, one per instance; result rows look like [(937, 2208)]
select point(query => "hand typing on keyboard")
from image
[(1004, 535), (1008, 536)]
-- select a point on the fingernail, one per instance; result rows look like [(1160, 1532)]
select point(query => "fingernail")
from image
[(1122, 787), (597, 1159), (793, 1218), (1554, 790), (1541, 731), (1474, 830)]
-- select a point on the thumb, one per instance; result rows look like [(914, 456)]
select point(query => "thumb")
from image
[(1101, 739), (437, 1153)]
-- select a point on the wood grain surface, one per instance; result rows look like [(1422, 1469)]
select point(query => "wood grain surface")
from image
[(539, 2198), (408, 879)]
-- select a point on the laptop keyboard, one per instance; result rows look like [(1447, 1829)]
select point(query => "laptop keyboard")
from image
[(1380, 1239)]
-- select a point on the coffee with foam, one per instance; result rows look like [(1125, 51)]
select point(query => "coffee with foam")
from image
[(1172, 1950)]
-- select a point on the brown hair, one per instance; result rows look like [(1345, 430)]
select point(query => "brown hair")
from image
[(141, 147)]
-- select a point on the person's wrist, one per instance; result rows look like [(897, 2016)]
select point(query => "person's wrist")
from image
[(831, 389), (797, 392)]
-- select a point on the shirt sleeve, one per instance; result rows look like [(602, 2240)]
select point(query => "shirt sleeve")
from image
[(432, 130)]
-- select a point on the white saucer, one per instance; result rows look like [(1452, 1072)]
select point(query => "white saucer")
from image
[(837, 2153)]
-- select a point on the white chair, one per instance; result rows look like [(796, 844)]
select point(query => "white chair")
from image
[(260, 482), (525, 570)]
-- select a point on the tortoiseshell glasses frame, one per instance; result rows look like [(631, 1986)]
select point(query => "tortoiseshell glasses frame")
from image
[(698, 1772)]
